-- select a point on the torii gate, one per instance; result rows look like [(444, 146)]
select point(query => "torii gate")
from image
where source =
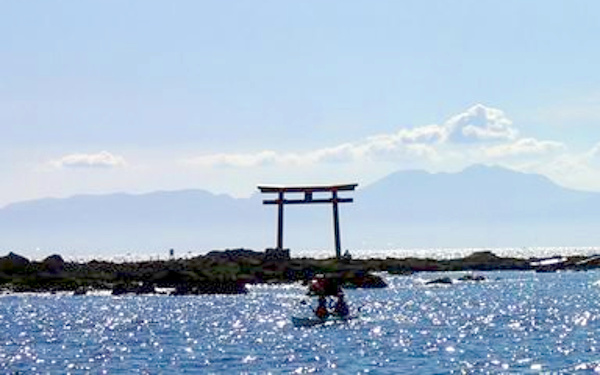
[(308, 199)]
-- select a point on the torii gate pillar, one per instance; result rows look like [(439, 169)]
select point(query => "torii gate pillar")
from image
[(308, 199), (280, 221), (336, 225)]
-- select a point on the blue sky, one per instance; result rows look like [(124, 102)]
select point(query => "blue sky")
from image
[(98, 97)]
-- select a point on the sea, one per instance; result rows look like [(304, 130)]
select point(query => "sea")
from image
[(513, 322), (457, 252), (367, 253)]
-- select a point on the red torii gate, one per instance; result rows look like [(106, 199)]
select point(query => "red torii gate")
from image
[(308, 199)]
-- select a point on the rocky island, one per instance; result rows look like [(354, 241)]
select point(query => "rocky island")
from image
[(229, 271)]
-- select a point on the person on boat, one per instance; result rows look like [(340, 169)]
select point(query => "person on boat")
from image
[(321, 312), (341, 307)]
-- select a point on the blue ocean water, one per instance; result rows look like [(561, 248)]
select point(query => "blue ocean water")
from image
[(515, 322)]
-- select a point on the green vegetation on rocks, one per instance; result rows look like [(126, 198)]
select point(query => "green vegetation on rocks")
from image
[(229, 271)]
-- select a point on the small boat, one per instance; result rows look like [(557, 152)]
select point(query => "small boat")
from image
[(323, 287), (312, 322)]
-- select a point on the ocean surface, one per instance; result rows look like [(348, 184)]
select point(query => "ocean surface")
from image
[(454, 253), (433, 253), (514, 322)]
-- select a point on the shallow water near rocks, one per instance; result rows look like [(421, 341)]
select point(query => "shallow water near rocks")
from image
[(514, 322)]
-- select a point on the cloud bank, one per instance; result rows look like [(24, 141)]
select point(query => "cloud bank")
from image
[(103, 159), (525, 146), (480, 134)]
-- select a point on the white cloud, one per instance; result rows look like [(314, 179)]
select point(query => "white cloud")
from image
[(477, 124), (346, 152), (390, 150), (422, 134), (380, 148), (103, 159), (590, 158), (524, 146), (480, 124)]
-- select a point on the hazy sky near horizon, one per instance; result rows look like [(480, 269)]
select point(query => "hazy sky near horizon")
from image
[(136, 96)]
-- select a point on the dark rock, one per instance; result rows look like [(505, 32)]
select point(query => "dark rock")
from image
[(173, 278), (182, 290), (399, 271), (472, 278), (44, 282), (484, 261), (221, 287), (552, 264), (277, 254), (211, 287), (235, 254), (81, 291), (139, 288), (418, 265), (364, 280), (53, 264), (441, 280), (481, 257), (145, 288), (13, 263), (588, 263), (123, 288)]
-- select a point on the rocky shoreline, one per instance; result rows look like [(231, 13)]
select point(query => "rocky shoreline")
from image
[(229, 271)]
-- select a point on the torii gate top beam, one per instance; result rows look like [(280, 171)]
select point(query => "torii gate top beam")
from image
[(305, 188)]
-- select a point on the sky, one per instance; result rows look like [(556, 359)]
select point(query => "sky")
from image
[(137, 96)]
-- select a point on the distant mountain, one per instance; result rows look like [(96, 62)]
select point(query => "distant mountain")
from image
[(478, 193), (150, 223), (478, 207)]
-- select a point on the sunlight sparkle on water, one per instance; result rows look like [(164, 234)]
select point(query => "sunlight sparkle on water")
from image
[(513, 321)]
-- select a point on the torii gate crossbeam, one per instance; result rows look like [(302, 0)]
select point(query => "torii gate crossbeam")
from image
[(308, 199)]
